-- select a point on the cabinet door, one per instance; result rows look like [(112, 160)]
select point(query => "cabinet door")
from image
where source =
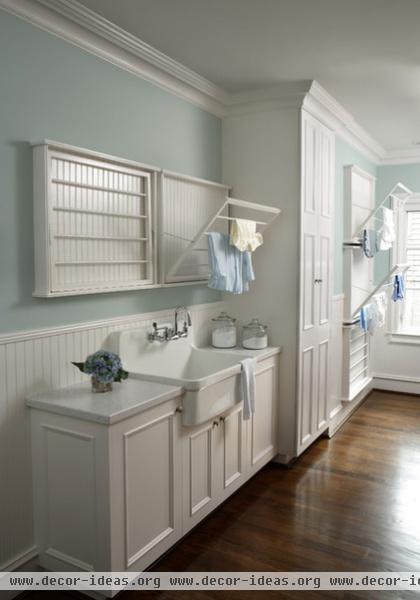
[(263, 424), (146, 493), (315, 280), (232, 439), (201, 471)]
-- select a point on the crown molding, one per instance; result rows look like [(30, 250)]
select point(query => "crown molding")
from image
[(89, 31), (82, 27), (402, 156), (326, 108)]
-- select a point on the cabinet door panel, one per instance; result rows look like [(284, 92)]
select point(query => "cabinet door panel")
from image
[(323, 379), (149, 485), (307, 394), (200, 472), (233, 445), (200, 459), (325, 276), (264, 420), (308, 286)]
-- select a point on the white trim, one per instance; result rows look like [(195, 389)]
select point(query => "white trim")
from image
[(402, 156), (84, 28), (326, 108), (346, 410), (403, 338), (404, 378), (89, 31), (20, 559), (396, 383), (93, 154), (23, 336)]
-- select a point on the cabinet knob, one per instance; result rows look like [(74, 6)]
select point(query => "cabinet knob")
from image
[(215, 423), (179, 409), (222, 419)]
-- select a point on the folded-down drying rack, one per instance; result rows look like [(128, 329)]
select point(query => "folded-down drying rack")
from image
[(226, 205), (399, 192), (398, 268)]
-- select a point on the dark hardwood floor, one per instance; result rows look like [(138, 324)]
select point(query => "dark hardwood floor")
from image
[(351, 503)]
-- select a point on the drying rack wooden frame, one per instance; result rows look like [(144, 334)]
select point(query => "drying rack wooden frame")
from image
[(398, 268), (394, 194), (227, 204)]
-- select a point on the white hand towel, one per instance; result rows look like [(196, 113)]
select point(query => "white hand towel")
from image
[(386, 234), (244, 236), (248, 386)]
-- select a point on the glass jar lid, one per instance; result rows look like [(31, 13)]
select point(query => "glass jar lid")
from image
[(255, 326), (224, 319)]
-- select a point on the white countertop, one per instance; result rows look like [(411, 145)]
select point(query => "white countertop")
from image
[(242, 352), (126, 399)]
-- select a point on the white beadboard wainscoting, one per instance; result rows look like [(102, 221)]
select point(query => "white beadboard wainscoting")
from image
[(34, 361)]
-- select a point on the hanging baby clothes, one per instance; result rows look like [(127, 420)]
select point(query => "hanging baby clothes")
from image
[(386, 234), (366, 320), (399, 287), (378, 310), (244, 236), (230, 269), (369, 242)]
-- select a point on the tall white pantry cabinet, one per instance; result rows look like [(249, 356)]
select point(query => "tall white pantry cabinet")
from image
[(282, 153)]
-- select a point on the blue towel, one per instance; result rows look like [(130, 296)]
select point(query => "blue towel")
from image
[(399, 286), (230, 269), (369, 242), (366, 317), (248, 386)]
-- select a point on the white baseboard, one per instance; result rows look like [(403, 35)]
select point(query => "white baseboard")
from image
[(396, 383), (339, 417), (26, 561)]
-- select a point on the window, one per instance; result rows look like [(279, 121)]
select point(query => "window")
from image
[(407, 250)]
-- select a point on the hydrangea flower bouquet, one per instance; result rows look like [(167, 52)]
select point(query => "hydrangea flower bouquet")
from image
[(104, 367)]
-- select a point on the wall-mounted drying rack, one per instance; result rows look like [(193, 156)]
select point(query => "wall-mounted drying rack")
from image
[(399, 192), (226, 205), (399, 268)]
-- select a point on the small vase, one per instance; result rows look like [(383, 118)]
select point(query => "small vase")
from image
[(99, 387)]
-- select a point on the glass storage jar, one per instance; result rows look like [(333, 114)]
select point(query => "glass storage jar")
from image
[(254, 335), (223, 331)]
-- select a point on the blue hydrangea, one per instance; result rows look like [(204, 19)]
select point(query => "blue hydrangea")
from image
[(104, 365)]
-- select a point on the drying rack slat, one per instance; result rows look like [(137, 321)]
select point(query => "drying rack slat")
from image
[(97, 188)]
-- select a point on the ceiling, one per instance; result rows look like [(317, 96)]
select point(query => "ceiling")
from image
[(366, 53)]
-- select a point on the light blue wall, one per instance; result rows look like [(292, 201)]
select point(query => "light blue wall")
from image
[(344, 155), (51, 89), (388, 176)]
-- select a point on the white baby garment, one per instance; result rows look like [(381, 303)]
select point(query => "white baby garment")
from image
[(244, 236), (386, 234), (379, 305)]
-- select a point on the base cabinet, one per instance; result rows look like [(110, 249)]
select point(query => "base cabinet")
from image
[(116, 497)]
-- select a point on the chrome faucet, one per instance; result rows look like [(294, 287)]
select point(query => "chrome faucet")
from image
[(167, 334), (187, 323)]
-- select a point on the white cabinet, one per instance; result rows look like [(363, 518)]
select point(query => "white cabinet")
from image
[(107, 497), (221, 454), (115, 497), (145, 486), (315, 279)]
